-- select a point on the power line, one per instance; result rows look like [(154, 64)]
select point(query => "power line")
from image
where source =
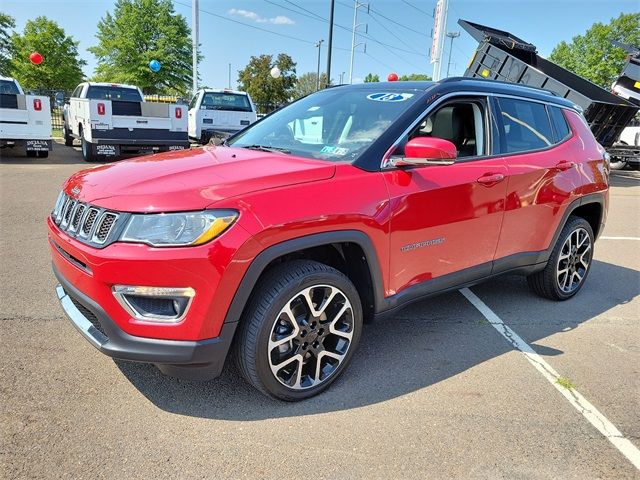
[(371, 10), (305, 10), (418, 9), (390, 31), (249, 25)]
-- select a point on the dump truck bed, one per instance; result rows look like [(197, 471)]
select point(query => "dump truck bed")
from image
[(505, 57)]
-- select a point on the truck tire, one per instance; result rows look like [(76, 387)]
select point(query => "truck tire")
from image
[(299, 330), (43, 154), (68, 139), (31, 154), (87, 149), (569, 263)]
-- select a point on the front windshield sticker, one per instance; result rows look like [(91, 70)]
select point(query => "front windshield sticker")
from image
[(338, 151), (389, 97)]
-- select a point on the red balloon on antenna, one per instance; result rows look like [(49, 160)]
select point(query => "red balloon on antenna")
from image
[(392, 77), (36, 58)]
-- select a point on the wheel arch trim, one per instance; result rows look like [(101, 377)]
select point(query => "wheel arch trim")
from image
[(264, 258)]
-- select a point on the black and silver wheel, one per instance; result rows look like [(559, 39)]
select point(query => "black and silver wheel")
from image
[(617, 163), (300, 330), (569, 264)]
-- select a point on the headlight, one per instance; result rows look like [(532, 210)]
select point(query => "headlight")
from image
[(177, 229)]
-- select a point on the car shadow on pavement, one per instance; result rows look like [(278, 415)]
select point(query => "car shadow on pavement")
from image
[(59, 155), (624, 178), (425, 343)]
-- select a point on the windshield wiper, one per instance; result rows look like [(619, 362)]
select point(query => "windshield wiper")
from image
[(266, 148)]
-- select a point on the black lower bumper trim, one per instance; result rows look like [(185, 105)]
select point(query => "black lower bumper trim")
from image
[(201, 359)]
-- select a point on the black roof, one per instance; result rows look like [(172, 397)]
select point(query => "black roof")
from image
[(454, 84)]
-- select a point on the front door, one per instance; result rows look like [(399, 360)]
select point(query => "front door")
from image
[(447, 219)]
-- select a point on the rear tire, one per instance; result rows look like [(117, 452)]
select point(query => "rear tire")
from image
[(31, 154), (299, 330), (43, 154), (87, 149), (617, 163), (569, 263)]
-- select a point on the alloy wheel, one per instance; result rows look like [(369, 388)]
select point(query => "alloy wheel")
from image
[(574, 260), (310, 337)]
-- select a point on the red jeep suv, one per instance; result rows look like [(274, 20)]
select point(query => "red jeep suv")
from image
[(342, 207)]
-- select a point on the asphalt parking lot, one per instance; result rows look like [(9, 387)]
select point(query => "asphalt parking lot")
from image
[(437, 392)]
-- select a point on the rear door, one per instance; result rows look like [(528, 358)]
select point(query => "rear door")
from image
[(539, 149), (446, 219), (226, 111)]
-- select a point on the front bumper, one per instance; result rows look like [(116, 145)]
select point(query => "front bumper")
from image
[(201, 359)]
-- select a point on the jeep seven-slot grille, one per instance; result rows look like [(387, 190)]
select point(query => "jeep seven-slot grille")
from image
[(89, 224)]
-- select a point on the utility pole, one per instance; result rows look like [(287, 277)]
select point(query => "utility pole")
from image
[(451, 35), (354, 45), (229, 76), (330, 44), (439, 30), (342, 77), (319, 46), (195, 25)]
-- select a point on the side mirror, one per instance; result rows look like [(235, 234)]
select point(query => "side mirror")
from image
[(427, 151)]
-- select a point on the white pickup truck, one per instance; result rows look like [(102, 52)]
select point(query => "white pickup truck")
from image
[(219, 113), (25, 120), (111, 120)]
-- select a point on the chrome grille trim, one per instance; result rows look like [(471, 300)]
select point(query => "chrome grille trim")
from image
[(87, 223), (104, 226)]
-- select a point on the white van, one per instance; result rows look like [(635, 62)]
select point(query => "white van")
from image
[(219, 112)]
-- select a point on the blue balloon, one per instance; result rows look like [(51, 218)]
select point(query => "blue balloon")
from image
[(154, 65)]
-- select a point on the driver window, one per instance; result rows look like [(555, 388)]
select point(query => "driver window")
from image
[(462, 123)]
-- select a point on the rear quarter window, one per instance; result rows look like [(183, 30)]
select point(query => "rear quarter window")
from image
[(560, 125), (524, 126)]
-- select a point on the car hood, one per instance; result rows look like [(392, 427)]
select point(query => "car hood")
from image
[(191, 179)]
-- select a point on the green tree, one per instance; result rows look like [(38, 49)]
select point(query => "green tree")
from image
[(266, 91), (6, 25), (371, 78), (307, 83), (61, 67), (140, 31), (592, 55), (415, 77)]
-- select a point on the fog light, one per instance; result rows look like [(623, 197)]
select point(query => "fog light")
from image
[(155, 304)]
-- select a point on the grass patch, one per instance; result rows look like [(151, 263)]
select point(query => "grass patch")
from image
[(482, 321), (56, 133), (565, 383)]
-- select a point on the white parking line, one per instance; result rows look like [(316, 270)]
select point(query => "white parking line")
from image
[(619, 238), (608, 429)]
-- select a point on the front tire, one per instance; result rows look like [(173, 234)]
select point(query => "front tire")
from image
[(617, 163), (299, 330), (68, 139), (569, 263)]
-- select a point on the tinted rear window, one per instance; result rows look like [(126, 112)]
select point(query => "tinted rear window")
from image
[(525, 126), (559, 124), (225, 101), (97, 92), (8, 87)]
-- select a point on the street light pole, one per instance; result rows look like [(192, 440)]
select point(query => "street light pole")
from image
[(229, 75), (330, 44), (195, 21), (451, 35), (319, 46)]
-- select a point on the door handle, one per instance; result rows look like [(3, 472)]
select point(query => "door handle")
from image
[(491, 179), (565, 165)]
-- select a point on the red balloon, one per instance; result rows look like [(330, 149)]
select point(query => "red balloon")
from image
[(36, 58), (392, 77)]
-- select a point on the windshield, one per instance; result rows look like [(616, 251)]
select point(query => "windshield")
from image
[(7, 86), (99, 92), (336, 124), (225, 101)]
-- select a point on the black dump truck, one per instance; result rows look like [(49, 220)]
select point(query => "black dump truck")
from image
[(503, 56)]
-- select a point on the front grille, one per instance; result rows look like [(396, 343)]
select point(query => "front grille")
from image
[(89, 224), (104, 227)]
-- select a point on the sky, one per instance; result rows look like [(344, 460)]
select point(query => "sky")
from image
[(398, 30)]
